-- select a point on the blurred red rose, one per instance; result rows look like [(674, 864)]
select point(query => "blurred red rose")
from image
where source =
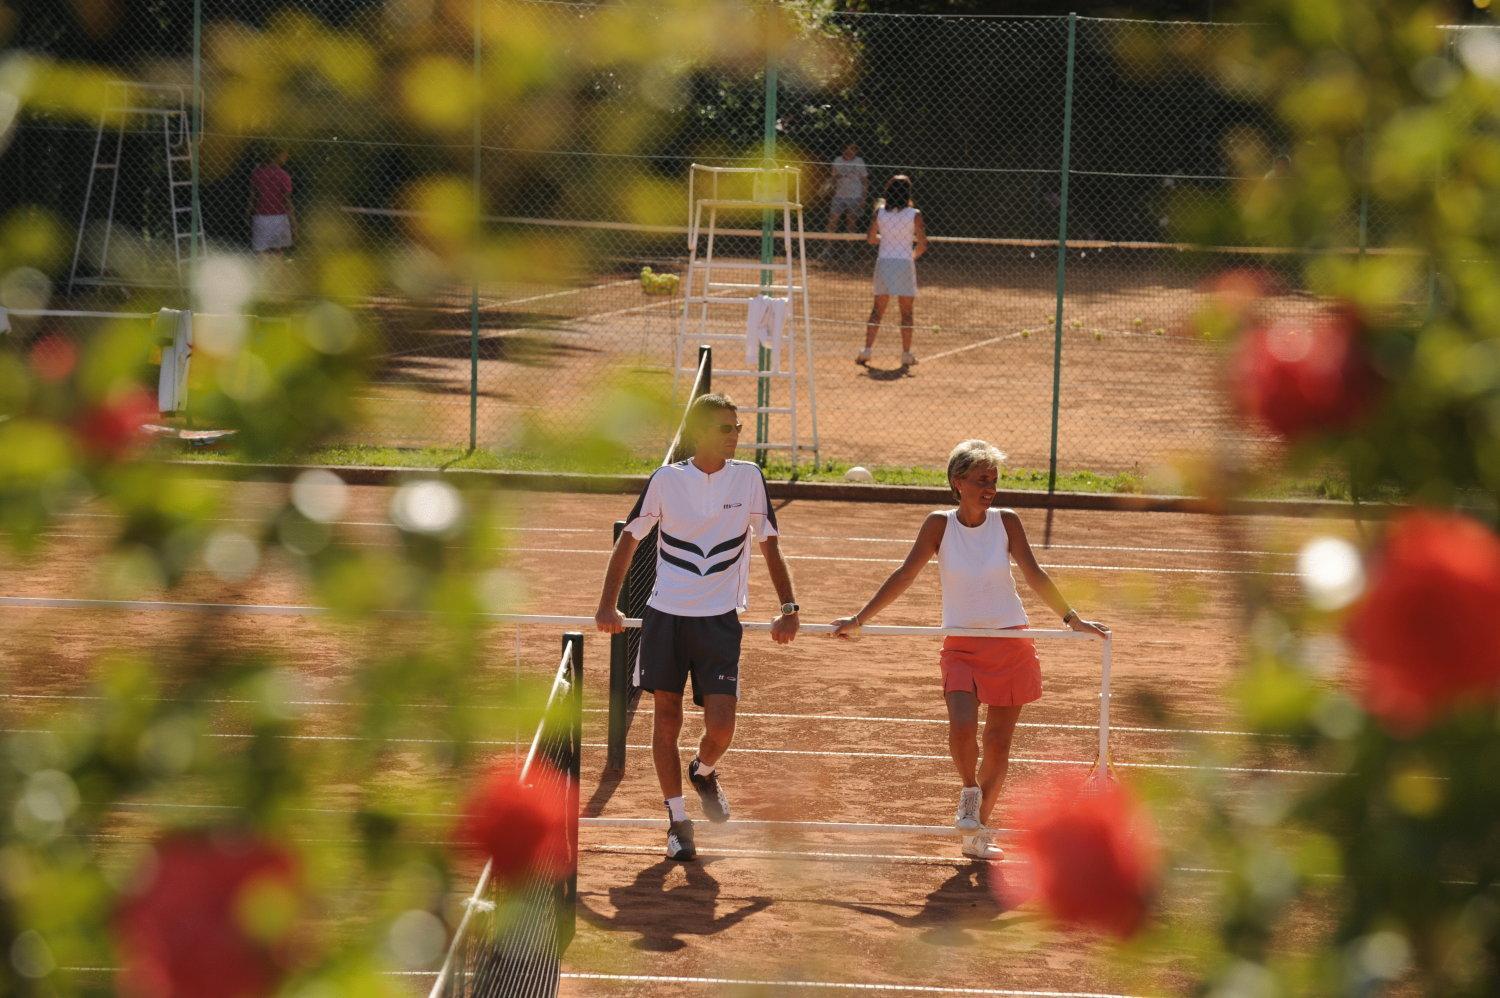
[(190, 927), (1304, 375), (112, 429), (1424, 628), (53, 357), (523, 828), (1089, 855)]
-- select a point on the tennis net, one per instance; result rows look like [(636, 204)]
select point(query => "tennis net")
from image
[(509, 943), (625, 649)]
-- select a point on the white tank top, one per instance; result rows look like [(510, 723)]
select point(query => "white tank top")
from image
[(898, 230), (974, 567)]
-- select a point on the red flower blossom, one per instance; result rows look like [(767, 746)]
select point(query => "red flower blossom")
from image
[(112, 429), (1423, 630), (53, 357), (1305, 375), (1089, 855), (190, 928), (522, 828)]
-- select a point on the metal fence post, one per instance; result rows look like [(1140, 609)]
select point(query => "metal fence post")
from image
[(767, 245), (478, 217), (195, 150), (1062, 250)]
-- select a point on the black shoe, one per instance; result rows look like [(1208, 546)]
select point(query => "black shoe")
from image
[(680, 844), (715, 804)]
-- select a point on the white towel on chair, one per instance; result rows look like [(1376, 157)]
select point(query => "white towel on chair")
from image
[(763, 323), (171, 385)]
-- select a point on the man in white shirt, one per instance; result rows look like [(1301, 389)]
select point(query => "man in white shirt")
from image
[(705, 510), (850, 180)]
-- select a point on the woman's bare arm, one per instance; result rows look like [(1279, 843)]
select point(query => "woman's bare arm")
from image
[(1037, 578), (921, 232), (922, 550), (873, 236)]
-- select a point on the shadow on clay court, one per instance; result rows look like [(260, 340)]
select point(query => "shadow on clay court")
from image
[(663, 915), (960, 903), (887, 373)]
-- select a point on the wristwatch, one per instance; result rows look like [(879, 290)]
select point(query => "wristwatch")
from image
[(787, 609)]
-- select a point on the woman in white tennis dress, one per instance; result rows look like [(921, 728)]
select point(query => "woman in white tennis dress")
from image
[(897, 228), (975, 548)]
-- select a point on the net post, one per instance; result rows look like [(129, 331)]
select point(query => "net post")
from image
[(619, 685), (567, 913), (1102, 770)]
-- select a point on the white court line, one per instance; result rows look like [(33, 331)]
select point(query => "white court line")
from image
[(1058, 726), (820, 753), (929, 358), (845, 559), (842, 559), (728, 853), (779, 986), (793, 537), (773, 824), (1015, 759)]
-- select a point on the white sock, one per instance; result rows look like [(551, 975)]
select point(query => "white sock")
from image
[(704, 768), (676, 810)]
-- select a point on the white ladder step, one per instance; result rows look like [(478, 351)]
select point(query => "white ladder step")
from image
[(734, 265), (783, 410), (739, 373), (105, 166), (716, 300), (731, 337), (752, 446), (755, 287)]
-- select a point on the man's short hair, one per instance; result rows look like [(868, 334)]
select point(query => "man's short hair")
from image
[(704, 406)]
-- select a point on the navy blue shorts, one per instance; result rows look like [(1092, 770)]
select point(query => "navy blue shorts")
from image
[(706, 648)]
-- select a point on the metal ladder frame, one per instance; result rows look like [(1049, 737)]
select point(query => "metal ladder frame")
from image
[(124, 102), (793, 270)]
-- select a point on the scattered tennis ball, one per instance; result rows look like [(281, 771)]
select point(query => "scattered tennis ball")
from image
[(1098, 335), (1025, 334), (1138, 322), (1158, 331), (859, 474)]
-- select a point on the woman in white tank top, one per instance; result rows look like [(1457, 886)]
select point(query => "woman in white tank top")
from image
[(897, 228), (975, 547)]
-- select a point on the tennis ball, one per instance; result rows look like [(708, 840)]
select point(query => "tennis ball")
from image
[(1025, 334), (1158, 331), (1138, 322), (1098, 335)]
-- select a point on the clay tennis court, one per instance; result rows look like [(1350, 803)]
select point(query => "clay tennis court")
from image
[(828, 733), (1138, 385)]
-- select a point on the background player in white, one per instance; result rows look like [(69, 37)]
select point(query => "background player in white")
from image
[(849, 179), (975, 547), (898, 229), (705, 510)]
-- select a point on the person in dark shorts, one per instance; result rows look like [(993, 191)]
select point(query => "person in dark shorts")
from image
[(706, 510)]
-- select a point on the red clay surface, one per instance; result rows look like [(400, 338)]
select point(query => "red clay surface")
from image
[(1138, 388), (893, 909)]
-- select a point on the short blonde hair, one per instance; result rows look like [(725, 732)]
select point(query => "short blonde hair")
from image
[(973, 454)]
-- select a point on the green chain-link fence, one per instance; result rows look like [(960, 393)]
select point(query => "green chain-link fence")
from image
[(1074, 354)]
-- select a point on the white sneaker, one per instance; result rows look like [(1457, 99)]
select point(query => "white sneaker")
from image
[(981, 846), (908, 359), (863, 357), (967, 818)]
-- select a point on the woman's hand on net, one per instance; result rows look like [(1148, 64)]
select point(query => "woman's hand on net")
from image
[(1090, 627), (846, 628)]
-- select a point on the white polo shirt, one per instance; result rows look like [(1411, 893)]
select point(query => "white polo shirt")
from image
[(706, 523)]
